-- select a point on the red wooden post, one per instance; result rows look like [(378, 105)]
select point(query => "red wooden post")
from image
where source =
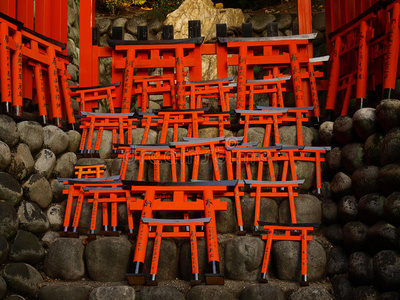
[(5, 72), (42, 17), (392, 53), (9, 8), (87, 76), (362, 66), (25, 10), (304, 13)]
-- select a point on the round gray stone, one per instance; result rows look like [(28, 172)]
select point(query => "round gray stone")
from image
[(129, 37), (389, 178), (364, 180), (103, 24), (373, 149), (45, 162), (343, 130), (55, 214), (382, 236), (329, 211), (388, 114), (213, 132), (305, 170), (353, 156), (132, 170), (119, 22), (202, 292), (168, 264), (370, 208), (26, 248), (4, 249), (5, 155), (112, 292), (31, 218), (360, 269), (3, 287), (137, 136), (161, 292), (334, 233), (49, 238), (155, 25), (325, 133), (318, 21), (285, 21), (8, 220), (310, 293), (86, 217), (391, 147), (64, 259), (70, 47), (341, 185), (72, 16), (268, 210), (8, 131), (73, 71), (133, 23), (347, 209), (260, 21), (391, 208), (185, 261), (288, 135), (31, 134), (64, 167), (286, 255), (226, 220), (243, 257), (166, 172), (342, 287), (74, 138), (22, 278), (365, 123), (387, 270), (57, 189), (260, 292), (107, 259), (55, 139), (333, 161), (319, 39), (10, 190), (37, 189), (206, 169), (65, 292), (337, 261), (22, 162), (355, 236), (364, 292), (105, 149), (308, 210)]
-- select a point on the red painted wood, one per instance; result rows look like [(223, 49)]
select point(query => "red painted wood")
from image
[(9, 7)]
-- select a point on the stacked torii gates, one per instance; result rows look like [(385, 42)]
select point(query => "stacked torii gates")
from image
[(364, 39), (176, 58)]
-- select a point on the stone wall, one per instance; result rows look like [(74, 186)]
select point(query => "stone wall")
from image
[(73, 41), (361, 214), (354, 255)]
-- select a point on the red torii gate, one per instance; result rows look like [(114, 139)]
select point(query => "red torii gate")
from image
[(89, 54)]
